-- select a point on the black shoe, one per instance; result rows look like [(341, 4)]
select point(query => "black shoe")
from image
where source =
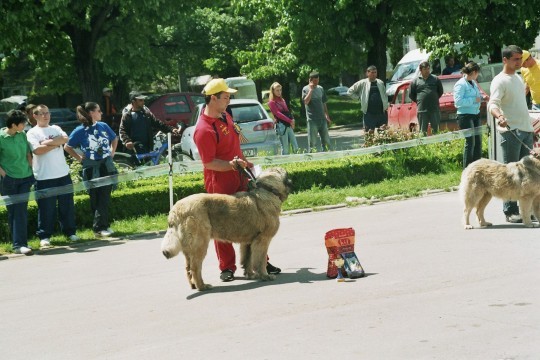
[(271, 269), (227, 275)]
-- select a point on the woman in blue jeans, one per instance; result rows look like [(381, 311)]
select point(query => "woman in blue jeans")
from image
[(467, 99), (283, 118), (17, 177)]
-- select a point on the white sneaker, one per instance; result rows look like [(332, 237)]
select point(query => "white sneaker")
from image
[(44, 243), (103, 233), (23, 250), (74, 238)]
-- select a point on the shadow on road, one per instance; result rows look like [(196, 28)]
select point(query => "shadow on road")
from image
[(301, 276), (87, 247)]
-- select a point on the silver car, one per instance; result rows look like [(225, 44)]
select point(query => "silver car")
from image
[(257, 127)]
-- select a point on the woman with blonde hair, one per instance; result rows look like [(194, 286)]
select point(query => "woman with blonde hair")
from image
[(283, 119)]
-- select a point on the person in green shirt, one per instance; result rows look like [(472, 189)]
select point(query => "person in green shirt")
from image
[(16, 177)]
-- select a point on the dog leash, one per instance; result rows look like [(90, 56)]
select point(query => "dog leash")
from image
[(247, 173), (531, 151)]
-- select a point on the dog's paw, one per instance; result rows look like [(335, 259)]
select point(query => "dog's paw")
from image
[(468, 227), (205, 287), (486, 224), (268, 277), (531, 225)]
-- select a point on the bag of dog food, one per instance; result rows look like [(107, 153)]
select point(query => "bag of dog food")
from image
[(338, 241), (352, 265)]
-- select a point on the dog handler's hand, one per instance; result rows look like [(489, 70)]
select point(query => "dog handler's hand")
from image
[(238, 163), (501, 121)]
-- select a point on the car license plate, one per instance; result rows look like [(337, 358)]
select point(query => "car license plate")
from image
[(249, 152)]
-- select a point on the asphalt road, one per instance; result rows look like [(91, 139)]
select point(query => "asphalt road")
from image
[(433, 291), (343, 137)]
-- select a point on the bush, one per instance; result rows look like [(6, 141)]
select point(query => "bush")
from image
[(151, 196)]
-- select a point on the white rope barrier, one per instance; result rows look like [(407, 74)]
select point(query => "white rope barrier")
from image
[(185, 167)]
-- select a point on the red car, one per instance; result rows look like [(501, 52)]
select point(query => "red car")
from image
[(173, 108), (402, 111)]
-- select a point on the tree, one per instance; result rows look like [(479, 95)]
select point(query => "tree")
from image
[(90, 39), (482, 26), (332, 36)]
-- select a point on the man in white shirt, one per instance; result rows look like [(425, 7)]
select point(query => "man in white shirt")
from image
[(508, 106), (373, 100), (51, 170)]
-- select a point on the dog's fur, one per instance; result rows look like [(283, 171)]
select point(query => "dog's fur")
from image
[(485, 178), (249, 218)]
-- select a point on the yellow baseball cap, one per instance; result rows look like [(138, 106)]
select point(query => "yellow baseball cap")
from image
[(215, 86), (525, 56)]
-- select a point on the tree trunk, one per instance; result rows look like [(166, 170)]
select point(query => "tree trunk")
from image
[(86, 70), (379, 34)]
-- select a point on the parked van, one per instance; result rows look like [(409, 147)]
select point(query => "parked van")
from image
[(246, 87), (407, 67)]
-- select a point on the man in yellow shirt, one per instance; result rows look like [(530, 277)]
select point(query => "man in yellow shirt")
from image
[(530, 71)]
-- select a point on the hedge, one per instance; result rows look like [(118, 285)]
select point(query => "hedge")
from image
[(151, 196)]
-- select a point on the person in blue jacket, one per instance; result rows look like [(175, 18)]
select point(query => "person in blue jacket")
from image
[(467, 100)]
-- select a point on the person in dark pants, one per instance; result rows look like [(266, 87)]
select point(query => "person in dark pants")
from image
[(373, 100), (467, 99), (51, 171), (98, 143), (426, 89), (17, 177)]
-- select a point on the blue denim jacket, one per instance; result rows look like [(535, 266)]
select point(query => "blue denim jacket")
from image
[(465, 96)]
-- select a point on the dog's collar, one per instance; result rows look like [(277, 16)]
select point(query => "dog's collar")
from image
[(269, 189)]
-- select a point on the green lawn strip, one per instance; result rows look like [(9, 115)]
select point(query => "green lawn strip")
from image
[(409, 186)]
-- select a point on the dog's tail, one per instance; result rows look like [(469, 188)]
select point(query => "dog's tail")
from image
[(464, 183), (171, 246)]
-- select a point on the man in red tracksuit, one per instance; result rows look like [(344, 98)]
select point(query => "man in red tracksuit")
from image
[(218, 141)]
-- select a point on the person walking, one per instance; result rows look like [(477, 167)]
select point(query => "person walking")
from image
[(138, 125), (318, 120), (373, 100), (426, 89), (283, 118), (218, 141), (508, 106), (98, 142), (50, 171), (17, 177), (467, 99)]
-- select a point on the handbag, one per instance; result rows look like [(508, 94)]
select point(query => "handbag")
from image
[(288, 114), (280, 128)]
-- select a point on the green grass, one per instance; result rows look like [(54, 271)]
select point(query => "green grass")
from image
[(407, 187)]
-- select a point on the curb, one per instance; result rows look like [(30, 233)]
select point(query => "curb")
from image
[(351, 201)]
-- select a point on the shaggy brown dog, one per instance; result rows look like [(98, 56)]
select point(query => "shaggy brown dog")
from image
[(485, 178), (249, 218)]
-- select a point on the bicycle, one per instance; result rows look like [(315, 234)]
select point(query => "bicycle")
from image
[(159, 154)]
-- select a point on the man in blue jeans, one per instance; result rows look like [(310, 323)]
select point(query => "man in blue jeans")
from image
[(508, 106), (17, 177), (51, 171), (318, 120)]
